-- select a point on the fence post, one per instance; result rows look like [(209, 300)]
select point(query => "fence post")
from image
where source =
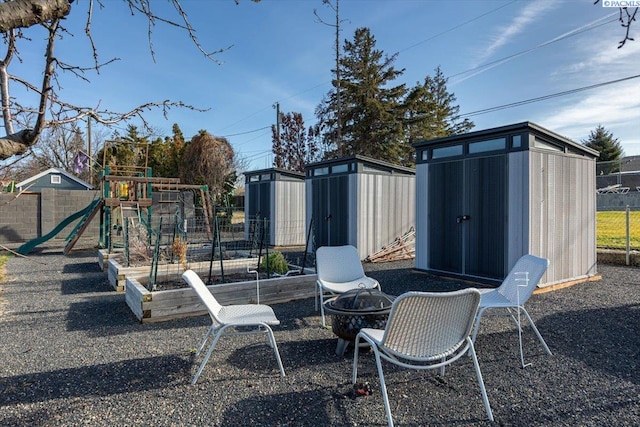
[(628, 215)]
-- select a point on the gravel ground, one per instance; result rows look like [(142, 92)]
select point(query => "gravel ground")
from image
[(72, 353)]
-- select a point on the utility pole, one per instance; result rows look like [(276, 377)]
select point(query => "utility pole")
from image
[(277, 107), (336, 9), (89, 150), (338, 94)]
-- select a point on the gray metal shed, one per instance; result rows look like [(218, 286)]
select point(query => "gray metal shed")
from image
[(359, 201), (276, 195), (486, 198)]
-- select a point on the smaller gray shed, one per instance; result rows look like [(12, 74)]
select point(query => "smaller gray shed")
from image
[(488, 197), (359, 201), (53, 178), (276, 195)]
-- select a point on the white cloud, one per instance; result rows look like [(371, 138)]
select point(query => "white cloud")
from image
[(616, 107), (529, 14), (600, 58)]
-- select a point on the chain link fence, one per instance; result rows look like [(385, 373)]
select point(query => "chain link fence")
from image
[(618, 205)]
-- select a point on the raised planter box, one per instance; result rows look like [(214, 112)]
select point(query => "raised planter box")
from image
[(158, 306), (118, 274), (104, 256)]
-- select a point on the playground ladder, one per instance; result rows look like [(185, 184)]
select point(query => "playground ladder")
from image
[(130, 212)]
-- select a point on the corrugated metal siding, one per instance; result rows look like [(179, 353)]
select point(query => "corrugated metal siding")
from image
[(288, 222), (518, 207), (386, 210), (308, 210), (563, 215), (422, 216)]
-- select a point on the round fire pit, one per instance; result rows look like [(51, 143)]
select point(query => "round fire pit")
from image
[(357, 309)]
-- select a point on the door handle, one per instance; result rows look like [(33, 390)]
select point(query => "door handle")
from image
[(463, 218)]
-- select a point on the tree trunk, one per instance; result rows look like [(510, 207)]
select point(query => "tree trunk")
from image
[(25, 13)]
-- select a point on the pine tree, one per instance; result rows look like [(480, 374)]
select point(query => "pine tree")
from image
[(371, 109), (431, 111), (609, 148), (165, 156)]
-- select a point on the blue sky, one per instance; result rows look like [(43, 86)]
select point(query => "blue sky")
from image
[(280, 53)]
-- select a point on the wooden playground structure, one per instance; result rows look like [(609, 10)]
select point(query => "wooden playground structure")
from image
[(128, 197)]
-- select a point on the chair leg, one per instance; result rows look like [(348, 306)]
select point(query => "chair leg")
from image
[(383, 386), (477, 323), (206, 357), (324, 324), (354, 376), (533, 326), (514, 318), (274, 346), (203, 342), (483, 390)]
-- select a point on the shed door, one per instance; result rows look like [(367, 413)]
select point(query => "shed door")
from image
[(467, 216), (259, 200), (445, 204), (330, 211)]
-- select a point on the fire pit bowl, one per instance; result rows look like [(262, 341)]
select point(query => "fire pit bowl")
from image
[(357, 309)]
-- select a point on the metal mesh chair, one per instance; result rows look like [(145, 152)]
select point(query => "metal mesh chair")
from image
[(339, 270), (425, 330), (512, 294), (252, 318)]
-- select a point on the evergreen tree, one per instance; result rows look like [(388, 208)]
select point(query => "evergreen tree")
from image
[(431, 111), (371, 109), (126, 154), (609, 147), (165, 156)]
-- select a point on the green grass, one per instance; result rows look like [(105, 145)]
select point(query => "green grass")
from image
[(611, 229)]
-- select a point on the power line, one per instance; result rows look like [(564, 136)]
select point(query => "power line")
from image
[(484, 67), (246, 132), (455, 27), (545, 97), (584, 28)]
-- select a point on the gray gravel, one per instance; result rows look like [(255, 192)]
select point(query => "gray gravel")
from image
[(72, 353)]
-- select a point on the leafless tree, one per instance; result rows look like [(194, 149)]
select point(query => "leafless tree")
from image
[(209, 160), (626, 18), (17, 17)]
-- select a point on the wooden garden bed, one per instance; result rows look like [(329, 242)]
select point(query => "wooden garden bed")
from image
[(158, 306), (118, 274), (104, 256)]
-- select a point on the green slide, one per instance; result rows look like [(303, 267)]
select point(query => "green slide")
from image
[(28, 246)]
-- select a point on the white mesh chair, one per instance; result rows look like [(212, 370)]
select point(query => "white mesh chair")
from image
[(252, 318), (339, 270), (512, 294), (425, 330)]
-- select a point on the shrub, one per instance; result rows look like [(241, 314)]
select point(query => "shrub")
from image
[(277, 263)]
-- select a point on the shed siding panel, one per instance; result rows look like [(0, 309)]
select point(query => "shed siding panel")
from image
[(563, 213), (422, 216), (387, 210), (518, 207), (289, 213)]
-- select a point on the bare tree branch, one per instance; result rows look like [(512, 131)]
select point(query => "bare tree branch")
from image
[(18, 14), (626, 18), (26, 13)]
